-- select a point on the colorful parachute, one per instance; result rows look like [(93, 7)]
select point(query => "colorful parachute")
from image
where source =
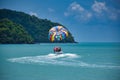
[(57, 33)]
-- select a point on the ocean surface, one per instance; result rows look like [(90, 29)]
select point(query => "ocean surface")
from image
[(83, 61)]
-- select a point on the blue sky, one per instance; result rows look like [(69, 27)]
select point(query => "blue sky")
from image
[(87, 20)]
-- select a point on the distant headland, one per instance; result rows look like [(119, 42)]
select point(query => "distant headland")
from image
[(19, 28)]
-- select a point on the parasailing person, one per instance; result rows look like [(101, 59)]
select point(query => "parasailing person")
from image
[(57, 33)]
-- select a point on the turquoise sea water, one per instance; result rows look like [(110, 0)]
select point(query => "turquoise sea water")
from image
[(83, 61)]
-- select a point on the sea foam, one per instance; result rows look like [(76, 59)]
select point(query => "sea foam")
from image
[(67, 59), (67, 55)]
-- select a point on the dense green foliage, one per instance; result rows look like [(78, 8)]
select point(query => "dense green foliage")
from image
[(36, 27), (13, 33)]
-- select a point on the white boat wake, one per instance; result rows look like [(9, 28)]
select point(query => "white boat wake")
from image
[(67, 59), (67, 55)]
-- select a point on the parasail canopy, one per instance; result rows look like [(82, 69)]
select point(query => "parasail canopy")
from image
[(57, 33)]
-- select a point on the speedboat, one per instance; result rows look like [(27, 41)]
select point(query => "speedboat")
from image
[(57, 50)]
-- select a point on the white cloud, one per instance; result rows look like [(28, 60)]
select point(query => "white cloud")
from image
[(33, 13), (113, 16), (103, 11), (78, 12), (99, 7), (98, 11), (89, 15), (66, 14), (86, 16), (51, 10), (76, 7)]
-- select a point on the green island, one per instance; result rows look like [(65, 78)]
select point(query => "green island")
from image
[(19, 28)]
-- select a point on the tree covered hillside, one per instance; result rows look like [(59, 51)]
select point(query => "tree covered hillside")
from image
[(13, 33), (36, 28)]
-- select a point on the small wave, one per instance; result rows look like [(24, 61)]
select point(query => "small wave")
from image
[(67, 59), (67, 55)]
